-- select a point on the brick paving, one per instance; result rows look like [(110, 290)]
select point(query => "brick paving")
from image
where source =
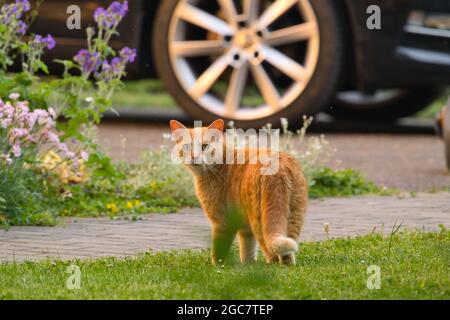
[(86, 238)]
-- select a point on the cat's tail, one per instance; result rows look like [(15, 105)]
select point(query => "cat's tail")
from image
[(276, 217), (283, 246)]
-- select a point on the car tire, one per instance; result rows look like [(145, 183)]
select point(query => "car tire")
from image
[(319, 91), (401, 104)]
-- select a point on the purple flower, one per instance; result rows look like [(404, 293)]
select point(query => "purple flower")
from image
[(22, 28), (25, 4), (116, 65), (14, 10), (88, 61), (129, 55), (117, 8), (48, 41), (110, 18)]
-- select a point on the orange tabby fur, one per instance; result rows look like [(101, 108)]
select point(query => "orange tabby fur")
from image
[(271, 208)]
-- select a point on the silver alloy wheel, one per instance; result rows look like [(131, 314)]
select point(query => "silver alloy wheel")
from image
[(243, 43)]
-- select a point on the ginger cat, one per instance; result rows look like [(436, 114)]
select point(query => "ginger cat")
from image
[(271, 208)]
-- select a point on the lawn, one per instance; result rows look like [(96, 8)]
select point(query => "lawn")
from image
[(413, 265), (150, 93)]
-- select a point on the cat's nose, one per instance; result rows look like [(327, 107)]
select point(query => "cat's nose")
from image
[(197, 160)]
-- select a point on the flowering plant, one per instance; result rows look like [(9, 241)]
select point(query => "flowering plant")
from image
[(14, 20), (26, 135), (89, 80), (34, 145), (12, 28), (94, 59), (28, 139), (32, 53), (83, 101)]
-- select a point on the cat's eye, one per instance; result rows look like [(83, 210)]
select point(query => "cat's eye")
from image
[(205, 146)]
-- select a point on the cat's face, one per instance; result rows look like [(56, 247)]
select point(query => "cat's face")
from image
[(197, 148)]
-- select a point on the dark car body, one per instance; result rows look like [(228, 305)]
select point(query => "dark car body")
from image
[(393, 56)]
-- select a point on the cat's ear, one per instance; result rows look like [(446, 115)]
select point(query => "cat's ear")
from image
[(217, 125), (175, 125)]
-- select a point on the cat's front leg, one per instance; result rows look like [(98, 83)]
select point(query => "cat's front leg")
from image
[(247, 246), (222, 238)]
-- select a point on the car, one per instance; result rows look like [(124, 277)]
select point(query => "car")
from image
[(257, 61)]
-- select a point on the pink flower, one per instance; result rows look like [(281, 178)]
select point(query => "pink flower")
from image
[(84, 155), (14, 96), (53, 137), (18, 132), (52, 113), (5, 123), (23, 106), (31, 119), (17, 151), (50, 123), (8, 111), (42, 116), (76, 164), (41, 113)]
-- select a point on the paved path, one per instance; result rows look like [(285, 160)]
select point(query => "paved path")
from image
[(92, 237), (406, 162)]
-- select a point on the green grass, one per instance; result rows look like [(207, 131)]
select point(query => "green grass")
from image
[(150, 93), (143, 94), (327, 182), (414, 265), (433, 109)]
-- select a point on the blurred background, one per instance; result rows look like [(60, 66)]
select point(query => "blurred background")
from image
[(373, 73), (258, 61)]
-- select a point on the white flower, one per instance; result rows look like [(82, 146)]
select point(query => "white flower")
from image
[(89, 99)]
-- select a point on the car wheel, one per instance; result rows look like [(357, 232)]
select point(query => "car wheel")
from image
[(382, 105), (250, 61)]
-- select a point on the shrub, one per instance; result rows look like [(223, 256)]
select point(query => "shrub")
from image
[(26, 138), (36, 165)]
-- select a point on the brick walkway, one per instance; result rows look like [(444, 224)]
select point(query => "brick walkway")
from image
[(92, 238)]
